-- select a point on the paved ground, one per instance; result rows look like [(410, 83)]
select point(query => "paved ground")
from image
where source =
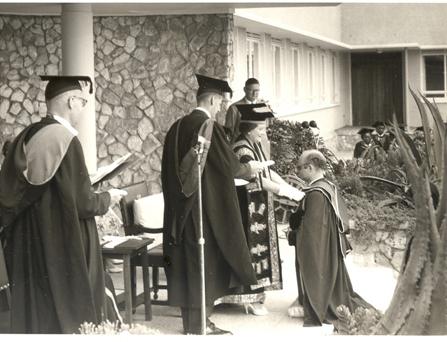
[(374, 283)]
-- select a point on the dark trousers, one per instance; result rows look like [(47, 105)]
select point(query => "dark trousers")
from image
[(191, 319), (298, 281)]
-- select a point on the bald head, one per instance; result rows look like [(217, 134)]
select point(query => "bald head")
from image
[(311, 165), (313, 157)]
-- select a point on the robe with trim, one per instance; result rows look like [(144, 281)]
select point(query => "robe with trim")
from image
[(51, 242)]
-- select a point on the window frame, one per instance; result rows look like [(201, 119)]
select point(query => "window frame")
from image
[(297, 73), (253, 39), (428, 93), (277, 74)]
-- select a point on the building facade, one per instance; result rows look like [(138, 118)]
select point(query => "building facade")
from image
[(337, 64)]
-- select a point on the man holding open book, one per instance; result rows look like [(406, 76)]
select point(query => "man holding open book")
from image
[(47, 208)]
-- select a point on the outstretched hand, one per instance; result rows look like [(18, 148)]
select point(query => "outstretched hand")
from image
[(116, 195), (290, 192)]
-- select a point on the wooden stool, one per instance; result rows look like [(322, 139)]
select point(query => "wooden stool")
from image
[(126, 251)]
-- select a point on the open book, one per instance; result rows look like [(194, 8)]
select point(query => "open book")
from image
[(109, 171)]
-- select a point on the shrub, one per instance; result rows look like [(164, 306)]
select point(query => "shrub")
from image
[(116, 328)]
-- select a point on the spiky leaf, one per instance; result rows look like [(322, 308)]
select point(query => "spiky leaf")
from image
[(426, 125), (442, 207), (405, 294), (418, 319), (438, 136)]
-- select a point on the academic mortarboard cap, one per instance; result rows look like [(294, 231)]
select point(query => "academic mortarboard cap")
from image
[(60, 84), (256, 113), (212, 85), (378, 123), (365, 130)]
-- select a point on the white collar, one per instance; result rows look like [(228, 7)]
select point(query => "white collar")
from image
[(204, 110), (249, 102), (316, 180), (66, 124)]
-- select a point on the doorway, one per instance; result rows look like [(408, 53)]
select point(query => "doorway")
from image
[(377, 91)]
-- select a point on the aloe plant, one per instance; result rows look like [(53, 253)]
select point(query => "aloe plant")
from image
[(419, 303)]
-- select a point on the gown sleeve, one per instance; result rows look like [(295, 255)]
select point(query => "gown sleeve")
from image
[(73, 173)]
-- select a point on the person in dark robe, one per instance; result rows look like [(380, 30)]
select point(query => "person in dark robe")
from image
[(381, 136), (233, 116), (48, 207), (363, 146), (321, 246), (257, 211), (227, 257)]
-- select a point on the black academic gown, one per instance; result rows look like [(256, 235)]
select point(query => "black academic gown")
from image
[(227, 258), (324, 278), (360, 148), (52, 250)]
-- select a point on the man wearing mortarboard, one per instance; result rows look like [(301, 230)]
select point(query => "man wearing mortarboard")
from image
[(227, 258), (380, 135), (48, 208), (363, 146)]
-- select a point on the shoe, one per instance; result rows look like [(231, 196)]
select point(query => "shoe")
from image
[(211, 329), (295, 311), (257, 309)]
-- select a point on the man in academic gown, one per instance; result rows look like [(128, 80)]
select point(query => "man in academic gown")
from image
[(227, 258), (233, 116), (321, 246), (380, 136), (48, 207)]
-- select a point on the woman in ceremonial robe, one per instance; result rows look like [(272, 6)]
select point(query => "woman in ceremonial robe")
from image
[(256, 205)]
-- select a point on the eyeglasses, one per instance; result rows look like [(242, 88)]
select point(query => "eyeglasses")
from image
[(84, 101)]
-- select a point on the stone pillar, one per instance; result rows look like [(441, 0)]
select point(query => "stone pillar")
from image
[(78, 59)]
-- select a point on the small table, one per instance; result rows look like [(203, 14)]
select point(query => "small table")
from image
[(126, 251)]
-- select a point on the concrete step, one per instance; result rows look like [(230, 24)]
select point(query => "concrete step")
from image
[(347, 137)]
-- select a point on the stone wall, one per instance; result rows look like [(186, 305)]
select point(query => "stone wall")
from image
[(144, 74), (387, 244), (29, 46)]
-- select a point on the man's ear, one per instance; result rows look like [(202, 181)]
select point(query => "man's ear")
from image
[(70, 102)]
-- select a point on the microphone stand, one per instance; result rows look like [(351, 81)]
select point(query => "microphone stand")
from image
[(201, 241)]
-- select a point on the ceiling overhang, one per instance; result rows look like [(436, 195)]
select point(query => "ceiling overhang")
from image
[(255, 23), (149, 8)]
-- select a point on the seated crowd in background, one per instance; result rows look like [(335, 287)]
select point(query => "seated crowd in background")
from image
[(378, 142)]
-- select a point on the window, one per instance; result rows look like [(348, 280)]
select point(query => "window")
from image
[(296, 73), (434, 80), (333, 79), (252, 57), (310, 75), (323, 78), (276, 70)]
